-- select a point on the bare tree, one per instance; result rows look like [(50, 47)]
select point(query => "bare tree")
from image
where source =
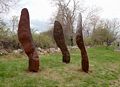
[(6, 4), (80, 43), (14, 23), (66, 16), (13, 34), (106, 31), (4, 31), (91, 18)]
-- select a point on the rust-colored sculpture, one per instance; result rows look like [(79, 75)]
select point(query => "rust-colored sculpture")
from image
[(60, 41), (80, 43), (25, 38)]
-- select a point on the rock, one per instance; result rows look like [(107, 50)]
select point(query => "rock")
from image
[(52, 50), (39, 49), (87, 47), (18, 51), (57, 50), (3, 52), (74, 47), (45, 52)]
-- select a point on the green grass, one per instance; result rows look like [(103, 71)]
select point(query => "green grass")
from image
[(104, 70)]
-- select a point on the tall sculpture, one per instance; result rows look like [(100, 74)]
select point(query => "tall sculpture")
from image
[(80, 43), (60, 41), (25, 38)]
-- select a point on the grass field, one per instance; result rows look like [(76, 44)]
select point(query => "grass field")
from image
[(104, 70)]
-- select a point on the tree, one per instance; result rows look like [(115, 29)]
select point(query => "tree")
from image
[(14, 23), (106, 32), (14, 27), (80, 43), (91, 19), (4, 30), (6, 33), (6, 4), (66, 16)]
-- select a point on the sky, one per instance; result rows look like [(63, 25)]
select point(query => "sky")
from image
[(41, 11), (110, 8)]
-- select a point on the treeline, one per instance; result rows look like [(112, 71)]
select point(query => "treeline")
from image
[(104, 32), (9, 38), (97, 31)]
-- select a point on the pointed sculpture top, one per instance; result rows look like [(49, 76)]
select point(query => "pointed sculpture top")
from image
[(58, 26), (24, 10)]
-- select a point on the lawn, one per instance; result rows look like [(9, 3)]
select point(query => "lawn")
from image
[(104, 70)]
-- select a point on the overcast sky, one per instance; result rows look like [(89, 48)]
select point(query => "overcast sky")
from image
[(110, 8), (38, 9), (43, 10)]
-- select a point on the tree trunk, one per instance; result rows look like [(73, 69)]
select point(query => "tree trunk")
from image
[(80, 43), (60, 41), (25, 38)]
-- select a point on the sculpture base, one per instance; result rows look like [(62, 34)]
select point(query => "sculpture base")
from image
[(33, 65)]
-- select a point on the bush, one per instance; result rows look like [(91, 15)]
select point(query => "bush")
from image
[(88, 41), (43, 40)]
